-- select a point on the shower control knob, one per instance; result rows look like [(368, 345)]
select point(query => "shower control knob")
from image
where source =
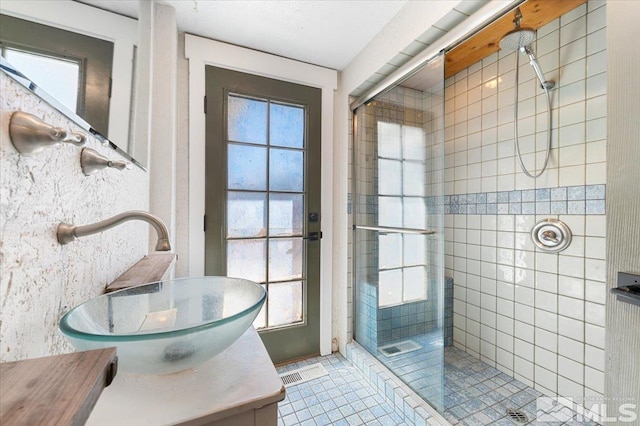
[(551, 235)]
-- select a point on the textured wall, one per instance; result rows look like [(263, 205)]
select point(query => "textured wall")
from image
[(535, 315), (622, 378), (39, 279)]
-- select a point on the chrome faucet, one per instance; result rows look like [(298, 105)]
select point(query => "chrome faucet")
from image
[(68, 233)]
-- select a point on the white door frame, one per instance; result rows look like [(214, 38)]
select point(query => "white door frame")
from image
[(202, 52)]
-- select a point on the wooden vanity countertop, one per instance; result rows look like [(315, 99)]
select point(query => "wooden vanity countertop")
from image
[(54, 390)]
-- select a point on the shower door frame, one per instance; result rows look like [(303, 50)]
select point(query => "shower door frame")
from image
[(437, 404)]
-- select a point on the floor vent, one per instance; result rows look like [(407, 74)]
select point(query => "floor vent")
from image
[(304, 374), (517, 416), (396, 349)]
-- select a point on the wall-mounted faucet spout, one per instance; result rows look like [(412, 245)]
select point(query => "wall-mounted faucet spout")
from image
[(68, 233)]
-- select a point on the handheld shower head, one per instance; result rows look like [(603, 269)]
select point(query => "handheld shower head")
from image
[(521, 39), (546, 84), (517, 39)]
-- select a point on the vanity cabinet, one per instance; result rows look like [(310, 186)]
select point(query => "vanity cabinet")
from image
[(239, 387)]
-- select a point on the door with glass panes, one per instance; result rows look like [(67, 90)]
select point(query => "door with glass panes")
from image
[(263, 217)]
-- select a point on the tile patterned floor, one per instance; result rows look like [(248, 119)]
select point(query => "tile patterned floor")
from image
[(341, 398), (474, 393)]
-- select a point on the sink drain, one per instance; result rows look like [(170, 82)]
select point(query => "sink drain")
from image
[(517, 416)]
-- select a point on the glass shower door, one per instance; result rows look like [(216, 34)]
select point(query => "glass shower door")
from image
[(398, 222)]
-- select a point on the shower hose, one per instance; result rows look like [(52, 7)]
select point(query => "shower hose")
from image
[(515, 127)]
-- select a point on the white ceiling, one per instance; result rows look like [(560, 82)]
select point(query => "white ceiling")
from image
[(329, 33)]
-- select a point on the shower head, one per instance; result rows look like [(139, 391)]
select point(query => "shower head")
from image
[(517, 39)]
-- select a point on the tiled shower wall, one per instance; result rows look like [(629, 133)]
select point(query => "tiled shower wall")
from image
[(535, 315)]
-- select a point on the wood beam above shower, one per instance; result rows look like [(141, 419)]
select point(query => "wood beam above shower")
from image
[(535, 14)]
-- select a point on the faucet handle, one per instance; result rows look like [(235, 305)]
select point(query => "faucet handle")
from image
[(91, 162)]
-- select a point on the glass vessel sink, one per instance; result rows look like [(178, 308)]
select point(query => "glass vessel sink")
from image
[(167, 326)]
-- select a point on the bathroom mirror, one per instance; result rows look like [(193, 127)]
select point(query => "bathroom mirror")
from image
[(79, 59)]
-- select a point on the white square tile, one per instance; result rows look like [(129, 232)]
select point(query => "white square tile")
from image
[(473, 282), (597, 63), (597, 85), (596, 174), (575, 249), (570, 389), (571, 370), (524, 313), (596, 20), (595, 270), (572, 113), (596, 41), (459, 336), (571, 265), (505, 308), (569, 73), (595, 292), (546, 301), (570, 94), (546, 262), (573, 308), (524, 295), (572, 328), (505, 273), (524, 277), (571, 349), (595, 226), (546, 340), (596, 129), (505, 257), (547, 321), (594, 357), (594, 379), (572, 175), (595, 248), (548, 43), (525, 250), (595, 313), (473, 328), (523, 349), (523, 368), (473, 343), (594, 335), (571, 286), (524, 331), (597, 151), (546, 381), (504, 358), (488, 255), (505, 290), (573, 14), (546, 359), (575, 222), (573, 51), (573, 30), (488, 351), (488, 305), (546, 282), (574, 134)]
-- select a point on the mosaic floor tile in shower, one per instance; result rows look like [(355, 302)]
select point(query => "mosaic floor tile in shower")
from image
[(474, 392), (341, 398), (478, 394)]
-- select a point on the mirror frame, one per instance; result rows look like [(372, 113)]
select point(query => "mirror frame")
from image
[(54, 14)]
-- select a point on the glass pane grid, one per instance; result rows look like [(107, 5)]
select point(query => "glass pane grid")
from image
[(265, 203)]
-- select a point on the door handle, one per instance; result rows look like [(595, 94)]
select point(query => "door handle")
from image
[(313, 236)]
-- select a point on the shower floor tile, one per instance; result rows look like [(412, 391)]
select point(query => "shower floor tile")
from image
[(474, 392), (341, 398)]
